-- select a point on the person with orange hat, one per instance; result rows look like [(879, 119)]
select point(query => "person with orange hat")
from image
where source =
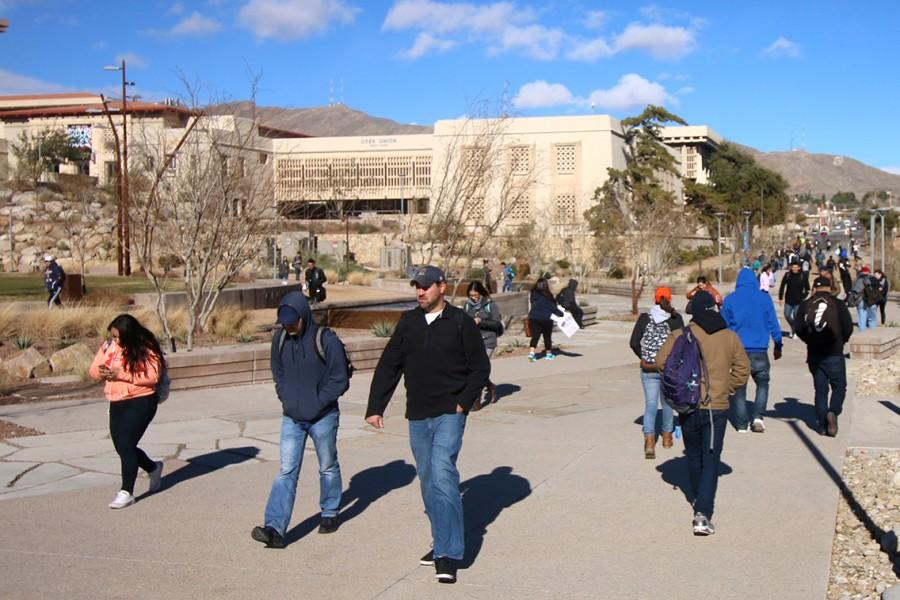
[(650, 332)]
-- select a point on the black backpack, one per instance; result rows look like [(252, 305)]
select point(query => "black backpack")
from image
[(871, 294), (818, 325), (320, 348)]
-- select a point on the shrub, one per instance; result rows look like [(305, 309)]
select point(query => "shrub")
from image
[(23, 342), (364, 228), (616, 272), (563, 264), (360, 278), (244, 338), (382, 329)]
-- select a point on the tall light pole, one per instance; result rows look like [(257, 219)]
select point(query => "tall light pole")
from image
[(747, 214), (125, 239), (719, 216), (872, 232)]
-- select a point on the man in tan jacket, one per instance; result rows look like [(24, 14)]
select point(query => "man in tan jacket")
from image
[(703, 429)]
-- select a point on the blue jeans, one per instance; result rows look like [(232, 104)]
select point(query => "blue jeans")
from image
[(435, 444), (759, 371), (652, 383), (868, 317), (703, 463), (284, 489), (790, 313), (828, 371), (507, 285)]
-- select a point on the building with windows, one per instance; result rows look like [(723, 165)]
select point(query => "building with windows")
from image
[(694, 145)]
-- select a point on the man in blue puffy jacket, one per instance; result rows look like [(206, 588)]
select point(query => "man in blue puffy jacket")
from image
[(308, 383), (750, 313)]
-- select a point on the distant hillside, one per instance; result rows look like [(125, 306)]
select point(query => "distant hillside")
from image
[(826, 173), (337, 120)]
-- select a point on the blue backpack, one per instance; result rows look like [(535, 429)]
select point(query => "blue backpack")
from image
[(683, 372)]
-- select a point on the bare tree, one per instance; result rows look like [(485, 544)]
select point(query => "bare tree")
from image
[(480, 180), (207, 200), (80, 218)]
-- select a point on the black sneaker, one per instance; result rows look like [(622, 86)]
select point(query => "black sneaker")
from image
[(329, 524), (831, 424), (428, 559), (268, 536), (445, 569)]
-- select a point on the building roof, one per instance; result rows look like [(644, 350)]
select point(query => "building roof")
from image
[(90, 109)]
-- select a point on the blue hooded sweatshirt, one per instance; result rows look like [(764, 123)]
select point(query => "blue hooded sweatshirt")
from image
[(308, 388), (750, 313)]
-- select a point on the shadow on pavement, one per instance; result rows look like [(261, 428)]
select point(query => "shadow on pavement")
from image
[(484, 497), (205, 464), (890, 406), (675, 472), (507, 389), (566, 353), (859, 512), (792, 408), (365, 488)]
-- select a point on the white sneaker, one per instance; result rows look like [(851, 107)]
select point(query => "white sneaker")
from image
[(758, 426), (744, 430), (122, 500), (156, 477)]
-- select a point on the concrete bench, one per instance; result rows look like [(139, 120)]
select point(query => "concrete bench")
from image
[(877, 343)]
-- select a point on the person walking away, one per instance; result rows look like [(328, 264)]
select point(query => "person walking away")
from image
[(297, 265), (846, 281), (284, 268), (703, 430), (751, 315), (440, 354), (766, 278), (884, 287), (792, 291), (309, 368), (508, 275), (828, 273), (566, 299), (542, 306), (825, 326), (489, 283), (650, 332), (315, 282), (54, 279), (703, 284), (130, 361), (865, 295), (486, 315)]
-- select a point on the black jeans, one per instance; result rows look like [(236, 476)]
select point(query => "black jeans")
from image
[(828, 371), (703, 463), (541, 327), (881, 307), (128, 420)]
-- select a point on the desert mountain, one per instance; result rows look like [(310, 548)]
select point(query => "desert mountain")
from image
[(337, 120)]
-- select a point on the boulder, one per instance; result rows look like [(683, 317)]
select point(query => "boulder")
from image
[(18, 227), (5, 194), (26, 364), (53, 206), (25, 199), (73, 359)]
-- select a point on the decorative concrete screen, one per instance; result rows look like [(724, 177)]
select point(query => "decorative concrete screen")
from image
[(565, 159)]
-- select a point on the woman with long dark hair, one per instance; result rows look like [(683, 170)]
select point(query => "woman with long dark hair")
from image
[(487, 316), (130, 362), (542, 306)]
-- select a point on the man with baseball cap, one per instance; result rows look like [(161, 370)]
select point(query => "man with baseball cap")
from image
[(439, 352), (308, 384), (825, 325)]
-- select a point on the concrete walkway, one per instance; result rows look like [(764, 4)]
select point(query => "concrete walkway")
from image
[(559, 501)]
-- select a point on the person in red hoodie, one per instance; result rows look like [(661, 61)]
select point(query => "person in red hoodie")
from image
[(130, 363)]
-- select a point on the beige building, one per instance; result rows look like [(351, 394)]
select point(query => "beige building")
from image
[(694, 145)]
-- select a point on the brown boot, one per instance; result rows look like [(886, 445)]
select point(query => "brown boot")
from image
[(667, 439), (649, 445)]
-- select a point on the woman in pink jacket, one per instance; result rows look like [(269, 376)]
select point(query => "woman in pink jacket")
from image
[(129, 361)]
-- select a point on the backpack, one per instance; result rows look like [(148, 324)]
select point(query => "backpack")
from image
[(164, 384), (320, 348), (871, 294), (684, 371), (653, 338), (813, 327)]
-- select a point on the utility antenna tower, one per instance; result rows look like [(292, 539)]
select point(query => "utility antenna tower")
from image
[(341, 101), (504, 101), (331, 92)]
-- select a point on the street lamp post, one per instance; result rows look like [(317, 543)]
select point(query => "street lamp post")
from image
[(719, 216), (747, 214), (125, 236)]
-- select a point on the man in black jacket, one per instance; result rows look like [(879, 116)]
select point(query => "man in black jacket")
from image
[(439, 353), (825, 325), (794, 288)]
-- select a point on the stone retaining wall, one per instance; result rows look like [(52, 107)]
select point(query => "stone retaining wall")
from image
[(245, 298), (877, 343)]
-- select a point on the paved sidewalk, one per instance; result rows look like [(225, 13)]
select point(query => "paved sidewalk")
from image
[(559, 501)]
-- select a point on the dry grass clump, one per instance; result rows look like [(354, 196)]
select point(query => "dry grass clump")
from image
[(331, 275), (360, 278), (231, 322)]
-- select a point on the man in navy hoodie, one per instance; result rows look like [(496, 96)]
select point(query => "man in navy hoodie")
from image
[(308, 386), (750, 313)]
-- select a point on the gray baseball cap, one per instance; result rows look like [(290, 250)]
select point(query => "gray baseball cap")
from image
[(427, 275)]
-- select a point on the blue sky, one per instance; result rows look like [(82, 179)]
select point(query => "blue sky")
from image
[(768, 74)]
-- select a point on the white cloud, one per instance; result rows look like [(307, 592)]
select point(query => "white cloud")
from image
[(683, 91), (14, 84), (596, 19), (425, 43), (99, 45), (540, 94), (445, 17), (590, 50), (132, 60), (287, 20), (176, 9), (196, 25), (660, 41), (535, 41), (782, 48), (891, 170), (632, 91)]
